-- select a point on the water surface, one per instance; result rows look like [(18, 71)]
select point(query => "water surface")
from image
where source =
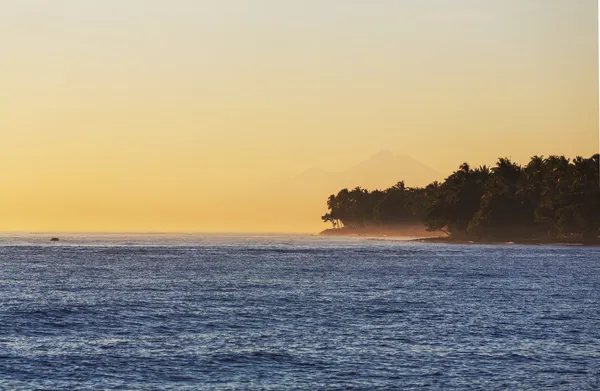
[(263, 312)]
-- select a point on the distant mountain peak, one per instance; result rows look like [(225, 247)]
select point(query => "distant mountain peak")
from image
[(383, 154), (379, 171), (386, 168)]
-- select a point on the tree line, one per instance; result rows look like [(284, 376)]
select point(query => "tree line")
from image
[(550, 197)]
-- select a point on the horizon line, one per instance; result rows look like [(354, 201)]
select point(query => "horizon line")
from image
[(159, 232)]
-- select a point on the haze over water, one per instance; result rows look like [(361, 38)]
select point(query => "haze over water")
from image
[(280, 312)]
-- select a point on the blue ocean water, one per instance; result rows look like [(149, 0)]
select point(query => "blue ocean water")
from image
[(157, 312)]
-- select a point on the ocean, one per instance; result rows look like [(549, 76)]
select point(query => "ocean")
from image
[(285, 312)]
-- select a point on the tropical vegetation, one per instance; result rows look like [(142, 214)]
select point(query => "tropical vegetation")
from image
[(551, 198)]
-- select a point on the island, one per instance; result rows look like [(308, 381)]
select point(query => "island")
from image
[(549, 200)]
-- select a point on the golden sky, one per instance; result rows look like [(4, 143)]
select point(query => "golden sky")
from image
[(150, 115)]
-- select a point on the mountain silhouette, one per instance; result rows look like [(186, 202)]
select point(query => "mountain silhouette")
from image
[(302, 197), (379, 171)]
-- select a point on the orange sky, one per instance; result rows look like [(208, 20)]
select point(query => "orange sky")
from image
[(151, 115)]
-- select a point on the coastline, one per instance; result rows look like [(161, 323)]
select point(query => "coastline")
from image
[(531, 242), (419, 234), (392, 231)]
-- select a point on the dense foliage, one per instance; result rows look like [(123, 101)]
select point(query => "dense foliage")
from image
[(548, 198)]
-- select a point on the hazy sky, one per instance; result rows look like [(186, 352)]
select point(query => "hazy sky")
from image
[(140, 114)]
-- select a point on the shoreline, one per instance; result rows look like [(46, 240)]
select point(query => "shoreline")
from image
[(409, 233), (526, 242), (398, 231)]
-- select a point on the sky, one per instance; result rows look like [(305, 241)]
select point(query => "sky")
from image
[(153, 115)]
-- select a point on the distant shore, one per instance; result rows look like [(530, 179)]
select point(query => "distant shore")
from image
[(420, 234), (392, 231), (532, 241)]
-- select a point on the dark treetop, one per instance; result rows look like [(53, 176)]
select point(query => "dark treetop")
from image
[(551, 198)]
